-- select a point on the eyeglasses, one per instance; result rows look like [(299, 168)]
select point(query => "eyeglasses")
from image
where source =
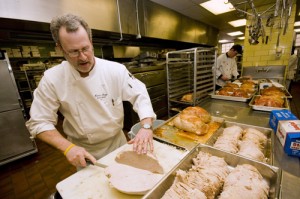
[(76, 53)]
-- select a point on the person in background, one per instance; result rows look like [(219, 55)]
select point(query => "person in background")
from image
[(291, 68), (226, 67), (88, 92)]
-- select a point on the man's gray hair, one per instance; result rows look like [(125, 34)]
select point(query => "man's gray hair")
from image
[(71, 23)]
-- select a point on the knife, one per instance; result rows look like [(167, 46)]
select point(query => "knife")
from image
[(98, 164)]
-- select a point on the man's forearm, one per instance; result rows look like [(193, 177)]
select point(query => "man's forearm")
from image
[(55, 139)]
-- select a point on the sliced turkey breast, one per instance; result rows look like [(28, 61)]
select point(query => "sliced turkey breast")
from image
[(142, 161)]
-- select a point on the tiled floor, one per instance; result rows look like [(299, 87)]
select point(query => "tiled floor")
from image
[(35, 176)]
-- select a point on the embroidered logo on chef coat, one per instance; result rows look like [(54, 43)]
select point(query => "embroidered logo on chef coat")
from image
[(101, 93), (100, 96)]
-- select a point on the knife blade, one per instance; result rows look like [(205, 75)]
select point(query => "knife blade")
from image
[(98, 164)]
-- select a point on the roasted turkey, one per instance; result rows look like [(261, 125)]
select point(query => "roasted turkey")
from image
[(271, 101)]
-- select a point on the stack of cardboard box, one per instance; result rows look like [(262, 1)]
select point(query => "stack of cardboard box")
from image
[(287, 129)]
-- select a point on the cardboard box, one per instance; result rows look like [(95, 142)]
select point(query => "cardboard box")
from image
[(279, 115), (288, 133)]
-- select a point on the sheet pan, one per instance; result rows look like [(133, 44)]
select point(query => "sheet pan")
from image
[(268, 108), (179, 138), (231, 98)]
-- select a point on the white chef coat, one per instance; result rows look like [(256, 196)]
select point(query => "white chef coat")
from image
[(227, 67), (92, 106)]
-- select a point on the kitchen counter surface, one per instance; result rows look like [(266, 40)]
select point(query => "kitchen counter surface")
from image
[(241, 112)]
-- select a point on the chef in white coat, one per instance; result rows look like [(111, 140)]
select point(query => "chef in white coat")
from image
[(88, 92), (226, 67)]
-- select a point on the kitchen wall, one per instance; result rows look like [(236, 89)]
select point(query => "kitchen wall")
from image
[(264, 54)]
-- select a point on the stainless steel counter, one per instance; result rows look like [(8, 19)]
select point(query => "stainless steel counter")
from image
[(240, 112)]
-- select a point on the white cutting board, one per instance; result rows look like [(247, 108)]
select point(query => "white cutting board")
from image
[(91, 182)]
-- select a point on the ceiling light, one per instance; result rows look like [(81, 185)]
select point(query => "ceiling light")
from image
[(223, 41), (241, 38), (235, 33), (297, 23), (238, 23), (297, 30), (217, 6)]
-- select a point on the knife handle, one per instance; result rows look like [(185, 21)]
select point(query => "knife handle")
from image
[(88, 161)]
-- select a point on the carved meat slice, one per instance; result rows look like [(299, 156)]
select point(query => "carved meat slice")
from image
[(131, 180), (245, 182), (255, 136), (229, 139), (180, 190), (250, 149), (142, 161)]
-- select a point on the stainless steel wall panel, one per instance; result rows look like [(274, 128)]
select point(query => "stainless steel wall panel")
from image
[(161, 22)]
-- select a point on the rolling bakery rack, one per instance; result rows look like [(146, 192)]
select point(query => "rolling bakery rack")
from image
[(189, 72)]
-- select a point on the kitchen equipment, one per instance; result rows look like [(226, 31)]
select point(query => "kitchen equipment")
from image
[(268, 148), (15, 139), (271, 72), (270, 173), (189, 71)]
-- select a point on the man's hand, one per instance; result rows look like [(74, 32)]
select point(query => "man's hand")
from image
[(143, 141), (224, 78), (77, 155)]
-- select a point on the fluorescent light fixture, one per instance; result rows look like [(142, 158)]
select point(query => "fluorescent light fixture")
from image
[(217, 6), (297, 30), (238, 23), (223, 41), (297, 23), (235, 33), (241, 38)]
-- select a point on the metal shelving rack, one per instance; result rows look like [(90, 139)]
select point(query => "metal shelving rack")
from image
[(189, 71)]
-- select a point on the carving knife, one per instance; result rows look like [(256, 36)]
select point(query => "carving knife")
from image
[(98, 164)]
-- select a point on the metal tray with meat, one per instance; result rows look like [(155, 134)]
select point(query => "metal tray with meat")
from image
[(235, 92), (217, 95), (255, 106), (212, 173), (169, 133), (275, 91), (253, 142)]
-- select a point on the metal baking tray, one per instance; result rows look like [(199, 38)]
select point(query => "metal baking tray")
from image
[(231, 98), (182, 139), (283, 89), (268, 149), (272, 174), (286, 105)]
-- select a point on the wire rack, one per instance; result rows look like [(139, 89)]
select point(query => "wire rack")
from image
[(189, 72)]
